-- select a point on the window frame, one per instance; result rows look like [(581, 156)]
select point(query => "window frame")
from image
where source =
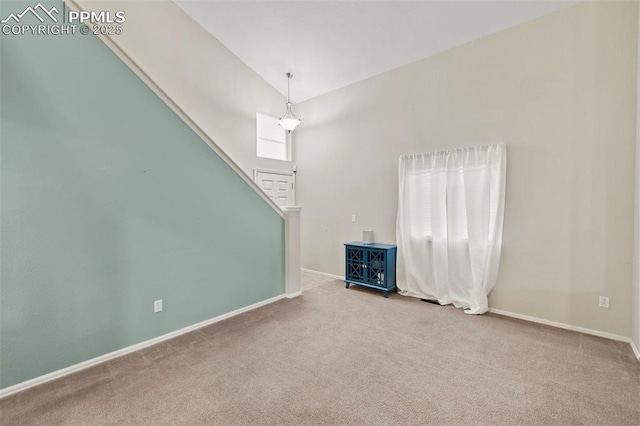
[(259, 138)]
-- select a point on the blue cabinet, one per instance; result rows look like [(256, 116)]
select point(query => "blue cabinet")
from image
[(371, 265)]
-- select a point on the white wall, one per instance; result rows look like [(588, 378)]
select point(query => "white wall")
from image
[(213, 86), (635, 333), (560, 91)]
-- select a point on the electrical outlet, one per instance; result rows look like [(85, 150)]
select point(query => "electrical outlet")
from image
[(603, 302), (157, 306), (353, 218)]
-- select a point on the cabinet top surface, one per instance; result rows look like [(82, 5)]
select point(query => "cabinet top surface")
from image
[(372, 245)]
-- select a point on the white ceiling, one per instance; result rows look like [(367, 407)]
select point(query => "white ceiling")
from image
[(331, 44)]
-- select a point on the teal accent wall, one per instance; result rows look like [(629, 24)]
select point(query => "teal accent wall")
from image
[(109, 202)]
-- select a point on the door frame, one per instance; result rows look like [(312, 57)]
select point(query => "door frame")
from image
[(277, 172)]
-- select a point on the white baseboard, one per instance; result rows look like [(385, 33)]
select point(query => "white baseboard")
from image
[(292, 295), (635, 349), (562, 325), (322, 274), (107, 357)]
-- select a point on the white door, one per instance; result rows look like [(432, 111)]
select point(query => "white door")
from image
[(277, 185)]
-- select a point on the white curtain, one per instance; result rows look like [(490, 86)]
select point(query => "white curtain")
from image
[(449, 227)]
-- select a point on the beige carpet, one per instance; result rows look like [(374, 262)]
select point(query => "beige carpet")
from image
[(309, 281), (351, 357)]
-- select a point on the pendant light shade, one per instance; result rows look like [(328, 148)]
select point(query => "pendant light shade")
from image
[(289, 122)]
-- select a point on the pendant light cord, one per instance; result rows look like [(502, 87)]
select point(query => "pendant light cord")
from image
[(289, 87)]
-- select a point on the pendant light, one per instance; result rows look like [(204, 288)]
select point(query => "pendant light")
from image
[(289, 122)]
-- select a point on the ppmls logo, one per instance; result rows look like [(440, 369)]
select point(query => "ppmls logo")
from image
[(52, 22), (34, 11)]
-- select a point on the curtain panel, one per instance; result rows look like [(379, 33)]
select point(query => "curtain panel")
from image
[(449, 225)]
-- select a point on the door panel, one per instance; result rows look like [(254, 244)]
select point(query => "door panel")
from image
[(375, 266), (277, 185), (355, 264)]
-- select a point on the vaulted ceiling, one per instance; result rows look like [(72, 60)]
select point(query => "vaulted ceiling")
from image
[(331, 44)]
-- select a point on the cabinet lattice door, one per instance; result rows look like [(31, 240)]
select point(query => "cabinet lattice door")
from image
[(355, 263)]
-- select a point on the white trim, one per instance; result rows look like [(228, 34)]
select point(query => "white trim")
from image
[(322, 274), (636, 351), (291, 209), (635, 279), (273, 172), (564, 326), (294, 294), (124, 351), (108, 41)]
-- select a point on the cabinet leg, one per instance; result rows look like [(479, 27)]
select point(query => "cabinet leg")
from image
[(346, 285), (386, 294)]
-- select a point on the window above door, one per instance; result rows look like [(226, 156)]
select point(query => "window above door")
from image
[(272, 140)]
